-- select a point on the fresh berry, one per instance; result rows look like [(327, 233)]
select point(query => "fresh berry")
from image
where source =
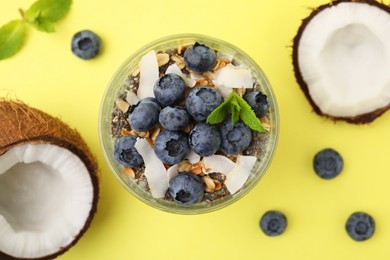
[(174, 118), (204, 139), (144, 114), (125, 152), (202, 101), (328, 163), (86, 44), (360, 226), (186, 188), (273, 223), (169, 89), (259, 103), (199, 58), (171, 146), (235, 137)]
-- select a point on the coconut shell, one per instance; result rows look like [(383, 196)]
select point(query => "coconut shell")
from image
[(360, 119), (21, 124)]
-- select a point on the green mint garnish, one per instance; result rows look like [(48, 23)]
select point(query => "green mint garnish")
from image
[(11, 38), (42, 14), (238, 108)]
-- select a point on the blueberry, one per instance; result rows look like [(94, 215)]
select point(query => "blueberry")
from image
[(174, 118), (204, 139), (360, 226), (202, 101), (273, 223), (171, 146), (235, 137), (259, 103), (125, 152), (144, 115), (186, 188), (328, 163), (169, 89), (199, 58), (86, 44)]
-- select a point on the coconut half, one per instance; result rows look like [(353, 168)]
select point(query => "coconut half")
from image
[(341, 58), (48, 184)]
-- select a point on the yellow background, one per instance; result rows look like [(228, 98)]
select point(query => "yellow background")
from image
[(46, 75)]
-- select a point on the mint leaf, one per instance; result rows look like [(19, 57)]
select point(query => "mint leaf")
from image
[(238, 108), (250, 119), (43, 13), (219, 114), (12, 36), (235, 109), (248, 116), (43, 24)]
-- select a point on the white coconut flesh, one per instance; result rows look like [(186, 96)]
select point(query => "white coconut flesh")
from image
[(344, 58), (46, 196)]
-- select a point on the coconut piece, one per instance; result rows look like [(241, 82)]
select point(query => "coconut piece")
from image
[(192, 157), (240, 173), (225, 92), (48, 184), (155, 172), (173, 171), (218, 163), (196, 76), (341, 58), (149, 74), (231, 76), (131, 98), (176, 70)]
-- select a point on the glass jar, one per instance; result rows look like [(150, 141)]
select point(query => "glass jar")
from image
[(266, 148)]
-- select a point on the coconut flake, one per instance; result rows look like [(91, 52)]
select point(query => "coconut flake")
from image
[(173, 171), (240, 173), (192, 157), (218, 163), (176, 70), (195, 76), (225, 92), (132, 98), (149, 74), (231, 76), (155, 172)]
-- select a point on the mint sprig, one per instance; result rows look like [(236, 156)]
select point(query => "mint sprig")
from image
[(12, 36), (238, 108), (42, 15)]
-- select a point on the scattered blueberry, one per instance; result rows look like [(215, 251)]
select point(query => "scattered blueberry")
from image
[(125, 152), (328, 163), (86, 44), (199, 58), (204, 139), (186, 188), (202, 101), (144, 114), (174, 118), (259, 103), (360, 226), (171, 146), (273, 223), (235, 137), (169, 89)]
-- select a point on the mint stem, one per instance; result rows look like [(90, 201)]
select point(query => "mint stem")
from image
[(21, 12)]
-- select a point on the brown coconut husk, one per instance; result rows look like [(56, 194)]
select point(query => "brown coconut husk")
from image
[(21, 124), (360, 119)]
